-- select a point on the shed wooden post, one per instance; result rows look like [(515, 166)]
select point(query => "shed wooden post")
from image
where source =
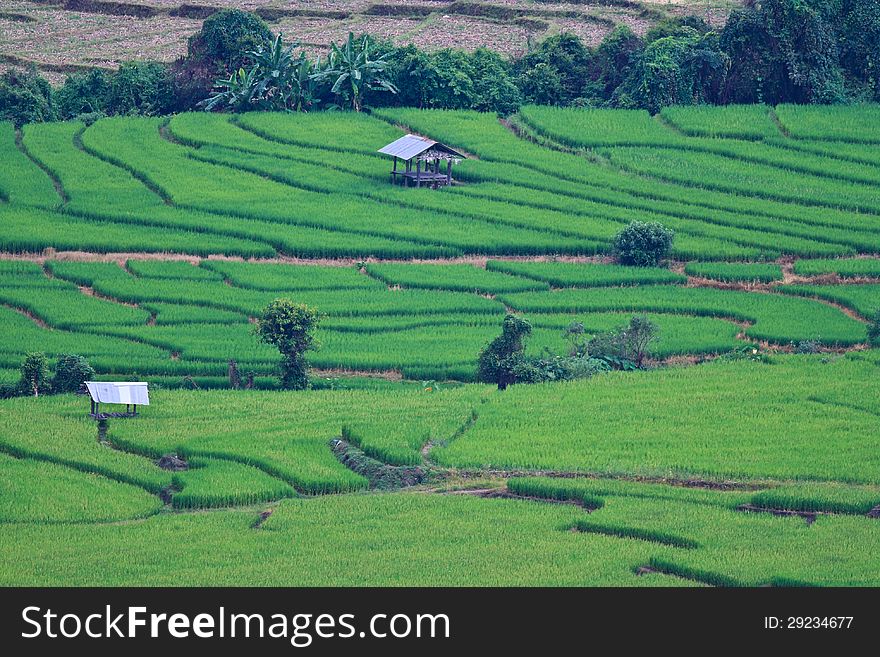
[(418, 173), (394, 171), (449, 171)]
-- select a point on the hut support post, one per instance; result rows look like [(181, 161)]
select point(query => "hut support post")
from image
[(449, 171), (394, 171), (418, 173)]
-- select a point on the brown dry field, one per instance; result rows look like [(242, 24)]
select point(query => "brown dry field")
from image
[(60, 36)]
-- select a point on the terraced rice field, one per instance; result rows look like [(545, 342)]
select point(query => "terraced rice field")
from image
[(150, 245)]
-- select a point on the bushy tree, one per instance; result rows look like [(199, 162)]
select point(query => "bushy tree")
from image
[(289, 327), (784, 51), (566, 60), (614, 59), (71, 371), (643, 244), (415, 75), (684, 69), (859, 44), (141, 87), (494, 88), (25, 97), (34, 374), (500, 359), (83, 93), (228, 38)]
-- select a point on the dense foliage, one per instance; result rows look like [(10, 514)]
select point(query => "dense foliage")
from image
[(643, 244), (25, 97), (71, 371), (289, 327), (500, 358), (774, 51)]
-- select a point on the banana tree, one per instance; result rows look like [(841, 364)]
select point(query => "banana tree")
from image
[(351, 70), (233, 94), (275, 67)]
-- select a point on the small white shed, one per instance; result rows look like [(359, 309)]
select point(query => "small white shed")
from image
[(132, 394)]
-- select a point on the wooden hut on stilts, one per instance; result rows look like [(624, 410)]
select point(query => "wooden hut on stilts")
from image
[(422, 161)]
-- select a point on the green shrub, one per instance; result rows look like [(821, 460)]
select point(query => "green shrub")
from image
[(83, 93), (625, 346), (25, 97), (34, 374), (227, 37), (643, 244), (502, 358), (71, 371), (141, 88)]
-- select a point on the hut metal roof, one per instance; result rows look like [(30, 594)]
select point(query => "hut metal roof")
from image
[(409, 146), (118, 392)]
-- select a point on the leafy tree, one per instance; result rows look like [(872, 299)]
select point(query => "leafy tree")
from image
[(416, 77), (858, 39), (455, 72), (501, 358), (141, 88), (494, 88), (352, 71), (616, 55), (25, 97), (567, 60), (35, 374), (83, 93), (289, 327), (685, 69), (541, 84), (228, 38), (71, 371), (783, 51), (643, 244)]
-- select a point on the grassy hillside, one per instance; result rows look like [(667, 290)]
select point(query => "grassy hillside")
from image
[(745, 454)]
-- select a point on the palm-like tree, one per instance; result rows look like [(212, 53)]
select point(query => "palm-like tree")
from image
[(233, 94), (352, 70), (275, 68)]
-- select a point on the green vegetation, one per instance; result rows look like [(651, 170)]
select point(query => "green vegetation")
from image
[(564, 274), (864, 299), (290, 327), (775, 318), (714, 439), (459, 278), (799, 424), (643, 244), (42, 492), (735, 272), (843, 267), (729, 121)]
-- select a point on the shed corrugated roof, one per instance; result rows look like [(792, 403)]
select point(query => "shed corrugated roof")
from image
[(119, 392), (408, 146)]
